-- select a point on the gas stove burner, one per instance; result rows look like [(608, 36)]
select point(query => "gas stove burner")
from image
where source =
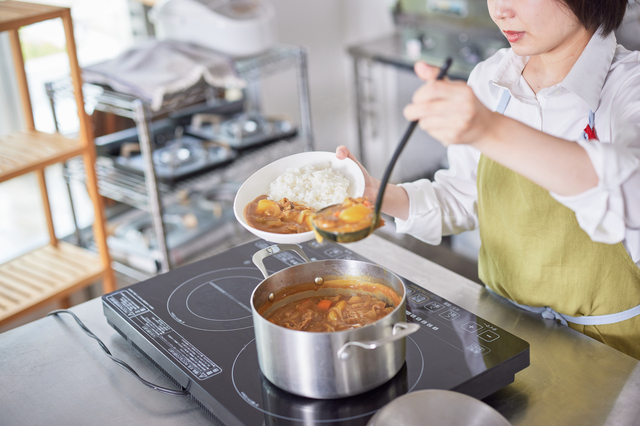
[(125, 141), (218, 197), (180, 224), (245, 130), (246, 125), (188, 231), (141, 231), (179, 159), (179, 153)]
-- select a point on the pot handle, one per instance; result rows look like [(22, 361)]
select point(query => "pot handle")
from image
[(259, 256), (400, 330)]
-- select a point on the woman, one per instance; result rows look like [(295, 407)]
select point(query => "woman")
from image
[(553, 178)]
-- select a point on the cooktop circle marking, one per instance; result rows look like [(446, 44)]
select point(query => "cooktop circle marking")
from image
[(256, 404), (231, 298), (421, 364), (217, 300)]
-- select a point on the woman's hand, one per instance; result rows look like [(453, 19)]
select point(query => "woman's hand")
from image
[(448, 110), (396, 200), (371, 185)]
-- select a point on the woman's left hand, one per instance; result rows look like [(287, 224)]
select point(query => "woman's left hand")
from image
[(448, 110)]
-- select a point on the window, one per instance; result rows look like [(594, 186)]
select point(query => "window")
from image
[(102, 30)]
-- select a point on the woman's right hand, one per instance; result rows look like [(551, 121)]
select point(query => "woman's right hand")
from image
[(396, 200), (449, 110)]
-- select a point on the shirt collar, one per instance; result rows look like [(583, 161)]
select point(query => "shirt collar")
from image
[(585, 79), (587, 76), (508, 72)]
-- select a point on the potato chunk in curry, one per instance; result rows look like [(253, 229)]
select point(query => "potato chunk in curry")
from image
[(280, 217)]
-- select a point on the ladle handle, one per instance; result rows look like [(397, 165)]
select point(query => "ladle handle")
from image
[(387, 172), (399, 148)]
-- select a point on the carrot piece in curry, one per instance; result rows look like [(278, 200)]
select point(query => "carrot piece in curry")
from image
[(324, 304)]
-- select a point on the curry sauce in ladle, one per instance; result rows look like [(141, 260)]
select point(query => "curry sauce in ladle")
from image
[(354, 219)]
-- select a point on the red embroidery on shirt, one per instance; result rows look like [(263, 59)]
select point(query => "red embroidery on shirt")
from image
[(591, 133)]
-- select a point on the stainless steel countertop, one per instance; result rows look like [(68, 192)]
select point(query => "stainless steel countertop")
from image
[(52, 373)]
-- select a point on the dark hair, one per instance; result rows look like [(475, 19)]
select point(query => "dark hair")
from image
[(594, 14)]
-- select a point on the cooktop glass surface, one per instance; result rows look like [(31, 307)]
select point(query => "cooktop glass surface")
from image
[(195, 324)]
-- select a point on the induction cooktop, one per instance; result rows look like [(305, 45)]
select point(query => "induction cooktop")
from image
[(194, 323)]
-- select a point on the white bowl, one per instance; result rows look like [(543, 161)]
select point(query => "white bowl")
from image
[(258, 184)]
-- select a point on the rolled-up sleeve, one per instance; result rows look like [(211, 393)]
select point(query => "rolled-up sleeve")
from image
[(424, 220), (449, 204), (608, 210)]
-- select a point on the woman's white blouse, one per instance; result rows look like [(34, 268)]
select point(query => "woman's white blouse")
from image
[(605, 79)]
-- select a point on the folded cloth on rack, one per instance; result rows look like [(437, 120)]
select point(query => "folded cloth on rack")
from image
[(154, 69)]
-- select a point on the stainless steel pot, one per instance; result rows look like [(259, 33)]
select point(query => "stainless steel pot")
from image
[(333, 364)]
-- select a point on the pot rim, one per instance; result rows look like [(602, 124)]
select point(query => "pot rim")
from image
[(401, 304)]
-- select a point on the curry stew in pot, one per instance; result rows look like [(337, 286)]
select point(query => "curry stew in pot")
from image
[(342, 304)]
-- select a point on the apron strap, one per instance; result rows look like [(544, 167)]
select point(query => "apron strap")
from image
[(504, 101), (585, 136), (547, 313)]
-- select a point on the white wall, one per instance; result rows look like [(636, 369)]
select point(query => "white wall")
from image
[(326, 28)]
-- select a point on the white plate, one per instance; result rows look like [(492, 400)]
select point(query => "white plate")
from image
[(258, 184)]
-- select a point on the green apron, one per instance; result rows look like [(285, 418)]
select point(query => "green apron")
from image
[(534, 253)]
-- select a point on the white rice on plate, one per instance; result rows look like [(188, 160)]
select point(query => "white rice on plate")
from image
[(316, 186)]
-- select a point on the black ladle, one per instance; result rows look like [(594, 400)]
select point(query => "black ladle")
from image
[(348, 237)]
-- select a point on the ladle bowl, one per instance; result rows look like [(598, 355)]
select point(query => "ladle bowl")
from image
[(349, 237)]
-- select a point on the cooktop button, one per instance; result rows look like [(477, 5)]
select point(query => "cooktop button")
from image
[(471, 327), (419, 298), (450, 315), (434, 306), (477, 349), (488, 336)]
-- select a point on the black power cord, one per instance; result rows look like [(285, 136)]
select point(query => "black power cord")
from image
[(127, 367)]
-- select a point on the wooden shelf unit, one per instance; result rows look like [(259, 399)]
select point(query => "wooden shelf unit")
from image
[(53, 272), (29, 151)]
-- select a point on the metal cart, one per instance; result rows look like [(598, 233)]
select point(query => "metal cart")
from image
[(145, 192)]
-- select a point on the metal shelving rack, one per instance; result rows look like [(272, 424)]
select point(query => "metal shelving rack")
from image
[(145, 192)]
